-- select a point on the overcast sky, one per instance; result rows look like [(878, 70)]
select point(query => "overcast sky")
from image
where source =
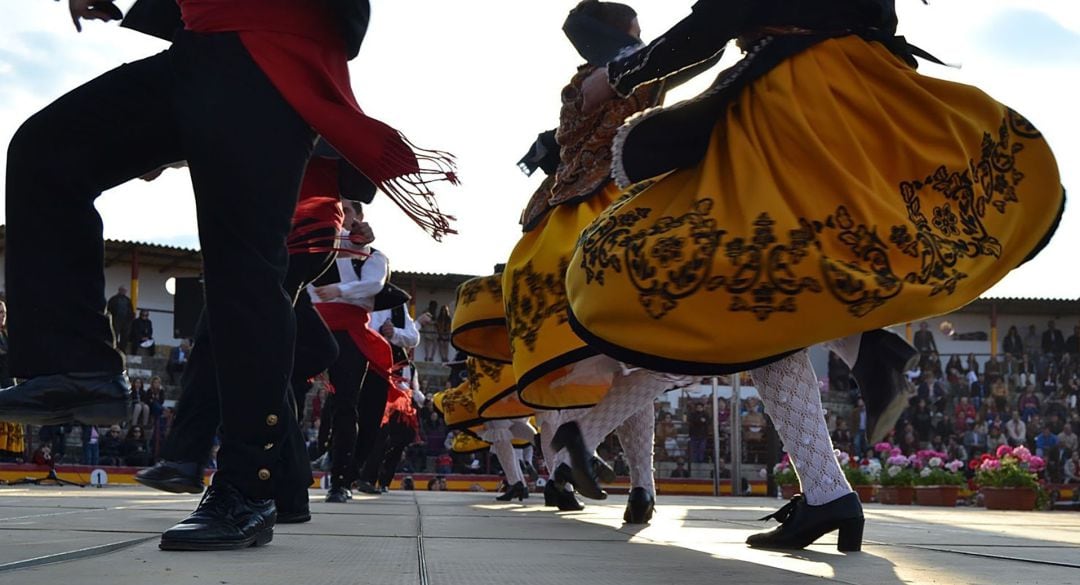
[(480, 78)]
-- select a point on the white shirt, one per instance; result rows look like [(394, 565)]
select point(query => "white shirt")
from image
[(407, 337), (359, 289)]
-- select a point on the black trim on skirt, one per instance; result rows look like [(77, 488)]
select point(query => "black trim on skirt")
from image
[(667, 365)]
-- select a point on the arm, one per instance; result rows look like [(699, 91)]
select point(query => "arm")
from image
[(406, 337), (698, 37), (373, 277)]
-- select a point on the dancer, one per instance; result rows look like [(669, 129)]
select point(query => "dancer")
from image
[(459, 408), (479, 328), (400, 428), (845, 191), (345, 296), (313, 244), (555, 369), (237, 95)]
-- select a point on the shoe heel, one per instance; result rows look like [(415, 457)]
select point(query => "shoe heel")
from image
[(263, 537), (849, 538), (103, 414)]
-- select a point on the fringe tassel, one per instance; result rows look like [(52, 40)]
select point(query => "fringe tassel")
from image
[(411, 191), (320, 244)]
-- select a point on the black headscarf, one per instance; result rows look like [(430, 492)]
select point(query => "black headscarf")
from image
[(596, 41)]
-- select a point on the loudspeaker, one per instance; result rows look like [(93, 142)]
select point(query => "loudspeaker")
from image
[(187, 306)]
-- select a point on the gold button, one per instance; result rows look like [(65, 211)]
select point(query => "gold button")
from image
[(271, 420), (268, 446), (264, 474)]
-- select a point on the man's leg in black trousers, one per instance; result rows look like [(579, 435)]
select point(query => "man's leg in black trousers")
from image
[(102, 134), (316, 349), (370, 410), (247, 149), (347, 375), (369, 471), (197, 411), (391, 460)]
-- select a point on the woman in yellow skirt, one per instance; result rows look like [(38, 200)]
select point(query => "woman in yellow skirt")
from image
[(460, 408), (479, 329), (555, 369), (820, 189)]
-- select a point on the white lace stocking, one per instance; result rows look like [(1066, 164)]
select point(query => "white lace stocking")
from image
[(636, 437), (789, 391)]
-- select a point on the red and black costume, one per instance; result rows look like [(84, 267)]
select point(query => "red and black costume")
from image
[(237, 96)]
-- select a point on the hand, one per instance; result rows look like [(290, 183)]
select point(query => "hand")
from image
[(596, 90), (85, 10), (361, 234), (387, 329), (328, 292)]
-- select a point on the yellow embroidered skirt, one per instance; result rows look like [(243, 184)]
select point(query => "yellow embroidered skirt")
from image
[(479, 323), (488, 393), (841, 192), (544, 346)]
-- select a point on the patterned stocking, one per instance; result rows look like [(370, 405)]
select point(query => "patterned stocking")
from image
[(789, 390), (636, 437), (629, 393)]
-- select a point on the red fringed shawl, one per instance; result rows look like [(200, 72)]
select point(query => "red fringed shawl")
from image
[(297, 46)]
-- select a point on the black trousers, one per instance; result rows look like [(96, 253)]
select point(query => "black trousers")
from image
[(205, 101), (385, 455), (355, 412), (198, 412)]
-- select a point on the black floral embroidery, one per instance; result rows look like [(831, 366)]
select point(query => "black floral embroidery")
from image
[(534, 298), (672, 257), (471, 290)]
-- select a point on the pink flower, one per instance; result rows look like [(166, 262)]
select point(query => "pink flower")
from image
[(1036, 464), (1004, 450), (882, 447), (896, 452), (898, 461), (1022, 453), (990, 465), (955, 465)]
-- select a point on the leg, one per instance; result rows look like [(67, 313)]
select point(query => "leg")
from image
[(59, 161), (636, 437), (372, 465), (246, 150), (347, 375), (369, 411), (788, 388), (316, 349), (789, 391)]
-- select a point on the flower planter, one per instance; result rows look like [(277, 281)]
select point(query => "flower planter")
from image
[(937, 495), (866, 493), (897, 495), (788, 491), (1008, 498)]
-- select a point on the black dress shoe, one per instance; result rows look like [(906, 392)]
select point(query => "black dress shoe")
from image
[(518, 490), (584, 470), (640, 506), (337, 495), (560, 495), (801, 524), (225, 520), (168, 477), (97, 398), (366, 487), (881, 373)]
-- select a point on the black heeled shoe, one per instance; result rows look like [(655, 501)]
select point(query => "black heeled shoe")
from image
[(640, 506), (801, 524), (881, 373), (559, 493), (518, 490), (584, 472)]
